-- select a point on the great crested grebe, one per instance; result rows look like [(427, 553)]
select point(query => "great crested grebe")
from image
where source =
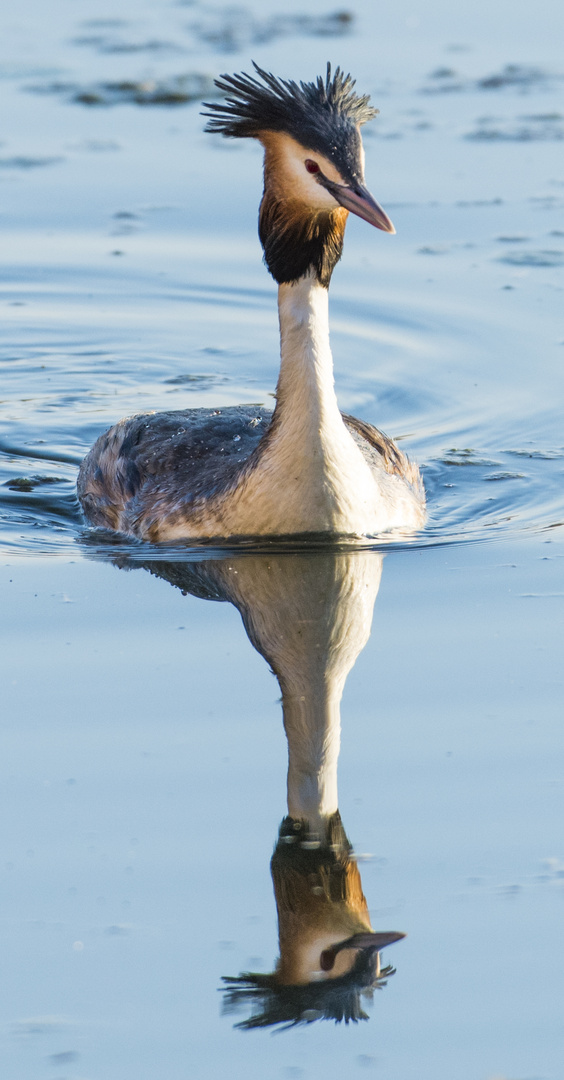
[(304, 468)]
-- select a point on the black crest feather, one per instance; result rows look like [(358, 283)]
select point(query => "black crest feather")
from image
[(315, 113)]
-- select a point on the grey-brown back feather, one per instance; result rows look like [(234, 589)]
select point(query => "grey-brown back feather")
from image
[(189, 454)]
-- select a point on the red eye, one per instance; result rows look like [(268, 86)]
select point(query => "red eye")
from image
[(311, 166), (327, 960)]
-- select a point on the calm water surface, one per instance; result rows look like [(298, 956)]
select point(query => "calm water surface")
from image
[(145, 757)]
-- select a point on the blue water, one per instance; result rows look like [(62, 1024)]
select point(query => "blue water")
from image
[(144, 758)]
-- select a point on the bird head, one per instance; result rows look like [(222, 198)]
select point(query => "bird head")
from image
[(313, 169)]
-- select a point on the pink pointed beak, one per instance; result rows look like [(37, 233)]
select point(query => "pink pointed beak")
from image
[(359, 201)]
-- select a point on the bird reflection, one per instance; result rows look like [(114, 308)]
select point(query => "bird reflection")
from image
[(309, 614)]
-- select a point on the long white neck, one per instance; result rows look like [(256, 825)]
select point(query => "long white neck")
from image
[(306, 401), (322, 467), (311, 476), (309, 615), (332, 616), (313, 728)]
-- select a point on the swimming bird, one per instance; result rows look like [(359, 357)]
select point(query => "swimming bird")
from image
[(305, 467)]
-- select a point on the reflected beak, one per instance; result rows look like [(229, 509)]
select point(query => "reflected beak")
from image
[(359, 941), (360, 202)]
